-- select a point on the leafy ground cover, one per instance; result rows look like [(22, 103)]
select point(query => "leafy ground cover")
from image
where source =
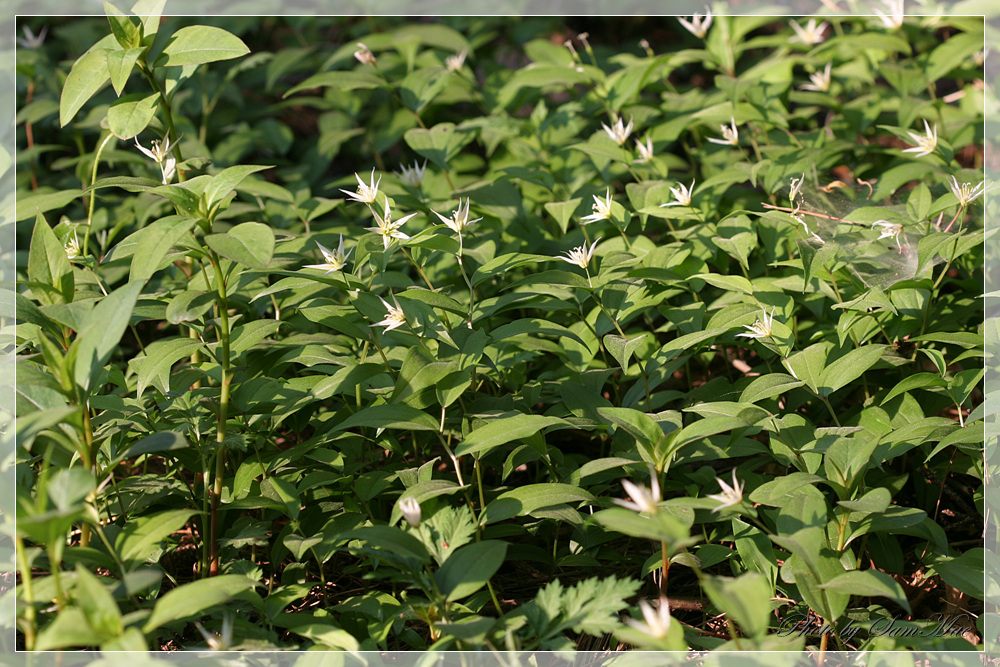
[(522, 334)]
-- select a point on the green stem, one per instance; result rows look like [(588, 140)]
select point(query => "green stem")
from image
[(92, 198), (28, 595), (220, 456)]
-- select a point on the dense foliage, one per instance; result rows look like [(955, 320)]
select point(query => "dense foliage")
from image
[(484, 332)]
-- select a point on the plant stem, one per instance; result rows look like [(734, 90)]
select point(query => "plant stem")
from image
[(220, 455), (90, 200), (28, 596)]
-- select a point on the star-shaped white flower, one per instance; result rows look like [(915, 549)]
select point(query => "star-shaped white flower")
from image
[(657, 623), (455, 62), (335, 259), (730, 135), (643, 499), (413, 175), (394, 317), (894, 19), (796, 189), (926, 143), (699, 24), (890, 230), (160, 153), (602, 209), (812, 34), (386, 228), (761, 328), (459, 220), (965, 193), (619, 131), (820, 81), (367, 193), (31, 40), (644, 149), (682, 195), (581, 255), (730, 496), (73, 247)]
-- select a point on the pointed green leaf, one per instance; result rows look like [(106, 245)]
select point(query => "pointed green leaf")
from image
[(197, 44), (504, 430), (250, 244), (196, 597), (89, 74), (120, 65), (469, 568), (130, 115), (869, 583), (102, 330), (48, 265)]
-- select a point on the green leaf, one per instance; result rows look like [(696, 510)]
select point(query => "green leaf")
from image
[(848, 368), (103, 328), (226, 181), (155, 241), (526, 499), (422, 85), (438, 144), (639, 425), (343, 81), (768, 386), (964, 572), (48, 265), (99, 607), (953, 53), (422, 491), (504, 263), (149, 12), (196, 597), (395, 415), (469, 568), (121, 26), (536, 326), (502, 431), (288, 495), (189, 306), (915, 381), (869, 583), (129, 115), (726, 282), (89, 74), (742, 599), (659, 527), (141, 537), (197, 44), (120, 66), (164, 441), (622, 349), (247, 335), (250, 244), (390, 539), (563, 211), (43, 203), (154, 368), (876, 500)]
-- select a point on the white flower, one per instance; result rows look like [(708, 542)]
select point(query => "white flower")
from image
[(619, 131), (31, 40), (894, 19), (394, 317), (413, 175), (925, 143), (388, 229), (731, 495), (455, 62), (979, 57), (580, 255), (820, 81), (335, 259), (812, 34), (699, 24), (364, 55), (222, 641), (682, 195), (73, 247), (761, 328), (602, 209), (366, 194), (645, 150), (796, 188), (643, 499), (731, 135), (161, 154), (965, 193), (890, 230), (459, 220), (583, 36), (411, 510), (657, 623)]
